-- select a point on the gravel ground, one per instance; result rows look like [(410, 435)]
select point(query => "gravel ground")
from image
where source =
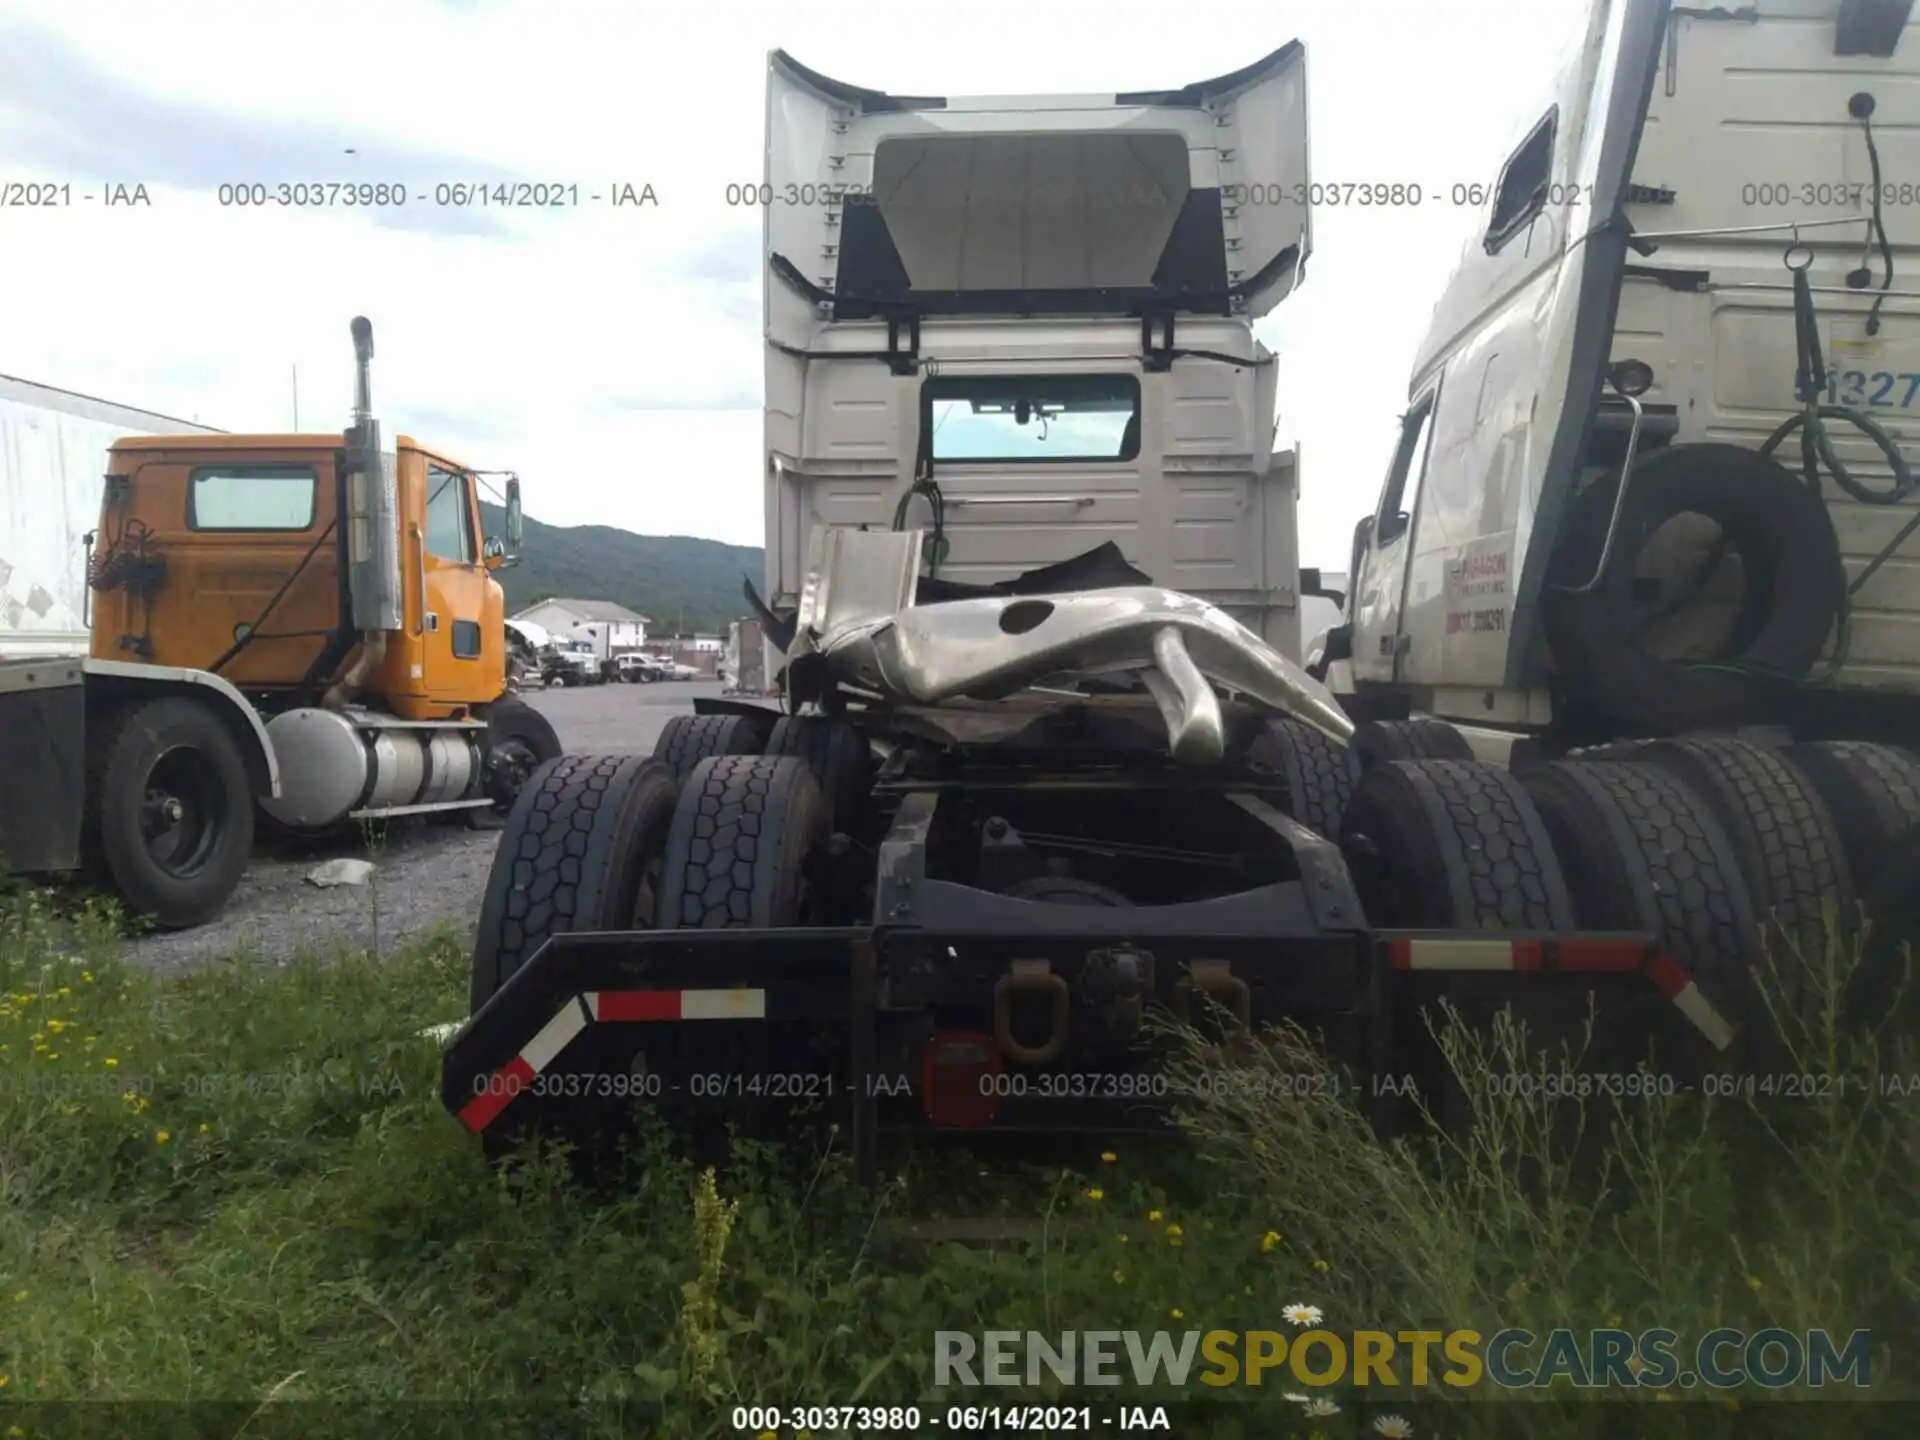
[(424, 874)]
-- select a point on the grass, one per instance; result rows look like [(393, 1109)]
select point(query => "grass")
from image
[(240, 1188)]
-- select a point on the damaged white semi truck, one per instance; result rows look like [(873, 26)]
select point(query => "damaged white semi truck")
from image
[(1046, 761)]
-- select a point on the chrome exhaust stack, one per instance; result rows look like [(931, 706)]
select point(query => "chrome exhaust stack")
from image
[(373, 504)]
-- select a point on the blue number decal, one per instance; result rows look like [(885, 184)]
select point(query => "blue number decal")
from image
[(1879, 396), (1913, 388), (1856, 384)]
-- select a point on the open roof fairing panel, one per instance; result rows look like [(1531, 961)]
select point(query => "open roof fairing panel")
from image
[(1187, 200)]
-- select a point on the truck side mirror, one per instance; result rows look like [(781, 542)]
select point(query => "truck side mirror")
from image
[(515, 521)]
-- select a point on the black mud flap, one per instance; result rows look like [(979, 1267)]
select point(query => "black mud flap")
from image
[(579, 983)]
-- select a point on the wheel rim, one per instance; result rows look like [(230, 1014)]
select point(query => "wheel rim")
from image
[(513, 762), (182, 812)]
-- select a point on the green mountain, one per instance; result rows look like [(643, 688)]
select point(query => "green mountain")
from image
[(684, 584)]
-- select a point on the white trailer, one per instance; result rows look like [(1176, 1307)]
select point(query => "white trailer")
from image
[(53, 451), (53, 445)]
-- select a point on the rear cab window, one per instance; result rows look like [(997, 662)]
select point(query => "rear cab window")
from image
[(1028, 418), (278, 498)]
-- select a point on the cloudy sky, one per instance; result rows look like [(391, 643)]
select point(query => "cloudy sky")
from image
[(612, 355)]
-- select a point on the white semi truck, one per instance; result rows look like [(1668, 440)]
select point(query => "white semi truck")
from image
[(1653, 506), (1043, 757)]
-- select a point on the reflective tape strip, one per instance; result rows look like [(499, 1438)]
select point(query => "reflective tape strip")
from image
[(1614, 955), (604, 1005), (1700, 1011), (554, 1036), (723, 1004), (628, 1005), (1463, 954), (1678, 986), (501, 1087)]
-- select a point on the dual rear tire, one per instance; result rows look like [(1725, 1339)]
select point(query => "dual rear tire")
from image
[(598, 843), (1740, 859)]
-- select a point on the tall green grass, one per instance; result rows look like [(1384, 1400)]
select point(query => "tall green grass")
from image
[(239, 1188)]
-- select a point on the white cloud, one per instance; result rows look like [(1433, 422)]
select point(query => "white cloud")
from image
[(612, 355)]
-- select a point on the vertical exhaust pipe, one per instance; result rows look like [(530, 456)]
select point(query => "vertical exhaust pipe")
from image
[(373, 523), (373, 503)]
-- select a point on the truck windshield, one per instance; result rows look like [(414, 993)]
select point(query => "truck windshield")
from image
[(1032, 417)]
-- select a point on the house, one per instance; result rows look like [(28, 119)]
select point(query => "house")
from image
[(611, 629)]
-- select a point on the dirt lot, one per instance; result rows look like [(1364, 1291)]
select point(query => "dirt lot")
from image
[(424, 874)]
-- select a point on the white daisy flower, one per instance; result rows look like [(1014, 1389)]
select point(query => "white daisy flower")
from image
[(1302, 1314), (1293, 1397), (1394, 1427), (1318, 1408)]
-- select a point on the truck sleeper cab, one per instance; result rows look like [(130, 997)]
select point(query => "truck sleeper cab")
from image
[(1026, 321), (1695, 192)]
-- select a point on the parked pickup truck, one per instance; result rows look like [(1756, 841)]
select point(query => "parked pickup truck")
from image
[(640, 669)]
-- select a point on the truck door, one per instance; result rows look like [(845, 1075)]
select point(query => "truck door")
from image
[(453, 586), (1380, 579)]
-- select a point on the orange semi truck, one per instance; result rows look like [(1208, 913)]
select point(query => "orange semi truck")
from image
[(306, 624)]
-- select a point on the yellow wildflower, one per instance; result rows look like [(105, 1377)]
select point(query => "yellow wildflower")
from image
[(87, 975), (1269, 1240), (161, 1137), (1109, 1157), (1096, 1193), (1119, 1277), (1753, 1283), (1177, 1313), (112, 1062), (1320, 1265), (1174, 1232)]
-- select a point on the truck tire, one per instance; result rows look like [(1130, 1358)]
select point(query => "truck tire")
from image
[(519, 741), (1871, 791), (1453, 845), (744, 835), (836, 753), (169, 811), (1893, 937), (581, 851), (1790, 557), (686, 740), (1641, 853), (1789, 852), (1320, 773), (1375, 740)]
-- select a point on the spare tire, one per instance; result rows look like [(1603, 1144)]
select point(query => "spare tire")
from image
[(1794, 583)]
